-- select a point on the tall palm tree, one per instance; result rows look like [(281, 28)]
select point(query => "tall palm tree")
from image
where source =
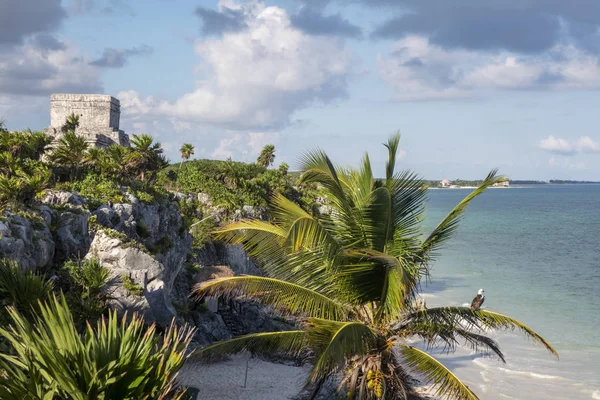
[(186, 150), (146, 155), (267, 156), (352, 277), (70, 152)]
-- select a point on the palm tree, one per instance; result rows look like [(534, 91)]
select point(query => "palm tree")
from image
[(267, 156), (352, 277), (146, 155), (115, 359), (70, 152), (71, 123), (187, 150), (283, 168)]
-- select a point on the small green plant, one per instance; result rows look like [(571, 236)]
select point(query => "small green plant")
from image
[(163, 245), (93, 224), (144, 197), (84, 283), (192, 268), (111, 233), (131, 287), (142, 230)]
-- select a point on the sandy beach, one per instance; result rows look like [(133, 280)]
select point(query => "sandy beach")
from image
[(225, 380)]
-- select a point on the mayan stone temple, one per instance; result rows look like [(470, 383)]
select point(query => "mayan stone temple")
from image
[(99, 116)]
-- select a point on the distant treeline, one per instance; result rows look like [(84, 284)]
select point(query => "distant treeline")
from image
[(461, 182), (560, 182)]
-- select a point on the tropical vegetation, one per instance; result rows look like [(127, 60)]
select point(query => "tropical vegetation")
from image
[(266, 157), (117, 359), (351, 277)]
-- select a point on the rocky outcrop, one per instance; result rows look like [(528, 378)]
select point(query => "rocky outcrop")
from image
[(154, 266), (145, 242), (27, 241)]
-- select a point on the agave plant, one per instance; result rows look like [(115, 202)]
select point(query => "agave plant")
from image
[(20, 289), (118, 359), (351, 277)]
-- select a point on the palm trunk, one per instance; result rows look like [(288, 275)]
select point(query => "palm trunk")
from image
[(179, 173)]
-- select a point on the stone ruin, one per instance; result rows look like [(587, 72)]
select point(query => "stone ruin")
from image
[(99, 116)]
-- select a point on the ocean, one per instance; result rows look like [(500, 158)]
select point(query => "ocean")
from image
[(535, 250)]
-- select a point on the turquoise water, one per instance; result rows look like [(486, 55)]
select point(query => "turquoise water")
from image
[(536, 252)]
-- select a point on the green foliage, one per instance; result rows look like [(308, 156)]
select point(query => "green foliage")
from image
[(71, 123), (147, 157), (98, 189), (70, 153), (22, 175), (111, 233), (232, 185), (131, 287), (352, 276), (163, 245), (21, 290), (84, 284), (267, 156), (142, 230), (186, 150), (93, 223), (201, 232), (283, 168), (115, 359)]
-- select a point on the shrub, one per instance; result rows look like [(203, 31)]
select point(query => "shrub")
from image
[(84, 283), (115, 359), (131, 287), (142, 230)]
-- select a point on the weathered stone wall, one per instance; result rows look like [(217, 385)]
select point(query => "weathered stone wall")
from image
[(99, 117), (94, 110)]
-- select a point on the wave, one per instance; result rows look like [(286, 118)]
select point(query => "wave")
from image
[(485, 366), (596, 395), (529, 373)]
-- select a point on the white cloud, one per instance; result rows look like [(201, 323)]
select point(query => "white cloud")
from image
[(257, 78), (419, 70), (565, 162), (244, 146), (33, 71), (584, 144)]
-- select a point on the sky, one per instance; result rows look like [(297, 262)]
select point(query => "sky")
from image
[(471, 85)]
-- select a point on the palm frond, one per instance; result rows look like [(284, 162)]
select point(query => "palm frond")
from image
[(373, 276), (448, 226), (334, 342), (445, 382), (290, 343), (392, 146), (284, 296), (436, 335), (463, 317)]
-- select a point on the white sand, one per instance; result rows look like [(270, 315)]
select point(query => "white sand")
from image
[(225, 380)]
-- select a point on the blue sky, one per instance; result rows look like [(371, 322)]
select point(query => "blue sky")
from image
[(471, 85)]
